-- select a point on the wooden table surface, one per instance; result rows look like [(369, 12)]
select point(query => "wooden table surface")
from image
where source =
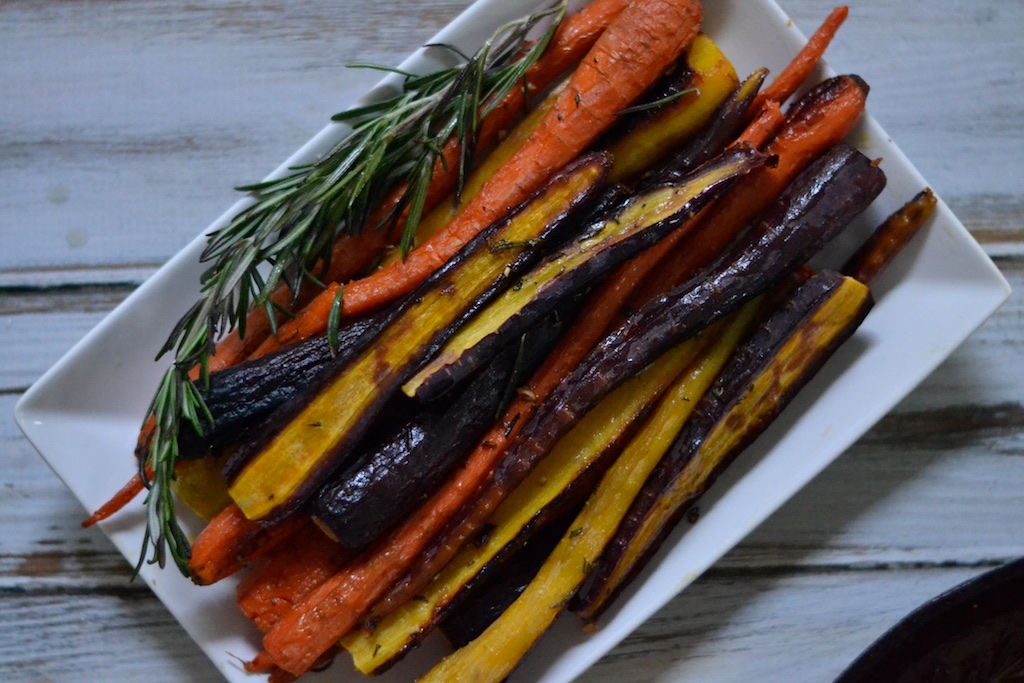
[(123, 127)]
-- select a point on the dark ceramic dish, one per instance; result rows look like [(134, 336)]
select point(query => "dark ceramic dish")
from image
[(973, 633)]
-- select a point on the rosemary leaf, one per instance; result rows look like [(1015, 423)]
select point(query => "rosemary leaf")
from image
[(293, 221)]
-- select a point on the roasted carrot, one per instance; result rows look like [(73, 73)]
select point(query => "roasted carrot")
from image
[(351, 256), (354, 253), (199, 486), (711, 77), (230, 541), (310, 320), (890, 237), (573, 38), (288, 573), (634, 50), (830, 125), (640, 222), (819, 120), (798, 70), (434, 221), (706, 75), (764, 126), (476, 512), (864, 266)]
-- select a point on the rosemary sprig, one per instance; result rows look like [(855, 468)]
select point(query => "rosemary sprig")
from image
[(293, 222)]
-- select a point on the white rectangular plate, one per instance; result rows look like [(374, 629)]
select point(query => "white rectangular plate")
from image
[(83, 415)]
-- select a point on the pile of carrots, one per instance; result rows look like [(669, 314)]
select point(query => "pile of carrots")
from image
[(304, 591)]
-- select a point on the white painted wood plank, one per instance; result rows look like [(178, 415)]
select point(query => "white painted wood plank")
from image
[(72, 636), (735, 628), (131, 125), (899, 501)]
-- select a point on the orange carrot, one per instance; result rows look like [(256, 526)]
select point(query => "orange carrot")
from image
[(307, 323), (797, 71), (287, 573), (625, 60), (310, 320), (354, 253), (230, 541), (890, 237), (764, 126), (610, 76), (119, 500), (573, 38), (351, 255)]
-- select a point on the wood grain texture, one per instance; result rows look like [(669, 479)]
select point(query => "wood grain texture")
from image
[(131, 121)]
